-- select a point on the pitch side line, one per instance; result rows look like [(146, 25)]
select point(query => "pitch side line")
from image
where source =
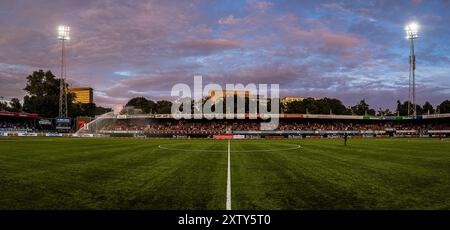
[(228, 205)]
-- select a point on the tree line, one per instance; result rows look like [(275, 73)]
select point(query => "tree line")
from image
[(335, 106), (148, 106), (308, 105)]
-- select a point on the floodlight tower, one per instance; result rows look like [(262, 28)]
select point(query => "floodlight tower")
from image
[(63, 35), (411, 34)]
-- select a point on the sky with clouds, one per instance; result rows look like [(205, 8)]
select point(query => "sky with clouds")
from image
[(344, 49)]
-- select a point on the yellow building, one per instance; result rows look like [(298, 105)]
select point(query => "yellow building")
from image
[(291, 99), (214, 95), (83, 95)]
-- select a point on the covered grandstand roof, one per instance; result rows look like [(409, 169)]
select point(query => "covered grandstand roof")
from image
[(14, 114)]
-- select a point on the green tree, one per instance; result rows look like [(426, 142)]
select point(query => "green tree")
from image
[(335, 106), (428, 108), (84, 110), (402, 108), (42, 94), (314, 106), (4, 106), (444, 107), (101, 110), (419, 110), (384, 112), (163, 107), (311, 106), (362, 108), (295, 107), (43, 97), (147, 106), (14, 105)]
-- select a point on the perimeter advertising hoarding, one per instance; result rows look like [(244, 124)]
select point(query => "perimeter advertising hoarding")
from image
[(439, 131), (27, 134), (53, 134), (295, 132), (45, 122), (238, 136), (82, 135), (62, 120), (223, 136), (63, 123), (229, 136), (445, 115), (323, 116), (396, 118)]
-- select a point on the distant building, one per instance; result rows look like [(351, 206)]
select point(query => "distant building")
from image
[(83, 95), (286, 100), (241, 93), (247, 94)]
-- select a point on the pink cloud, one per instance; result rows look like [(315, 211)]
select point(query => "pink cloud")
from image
[(230, 20), (339, 40), (336, 6), (262, 6), (207, 45), (168, 42), (323, 38)]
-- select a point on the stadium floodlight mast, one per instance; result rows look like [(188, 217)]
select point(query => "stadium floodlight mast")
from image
[(411, 34), (63, 35)]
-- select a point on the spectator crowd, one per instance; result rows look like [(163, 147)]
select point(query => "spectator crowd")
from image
[(16, 126), (223, 126)]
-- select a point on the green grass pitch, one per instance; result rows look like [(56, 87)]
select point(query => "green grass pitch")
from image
[(71, 173)]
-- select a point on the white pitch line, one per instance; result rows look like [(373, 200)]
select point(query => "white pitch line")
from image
[(228, 205), (236, 151)]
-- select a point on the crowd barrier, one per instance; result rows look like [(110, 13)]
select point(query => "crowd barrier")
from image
[(243, 134), (44, 134)]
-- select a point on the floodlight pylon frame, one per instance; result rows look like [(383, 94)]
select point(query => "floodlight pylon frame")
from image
[(63, 35)]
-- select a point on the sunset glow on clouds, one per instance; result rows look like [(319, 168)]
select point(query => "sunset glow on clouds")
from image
[(347, 49)]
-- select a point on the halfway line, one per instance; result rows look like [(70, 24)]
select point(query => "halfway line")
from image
[(228, 205)]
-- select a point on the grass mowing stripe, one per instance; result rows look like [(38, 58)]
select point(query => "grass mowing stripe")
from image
[(327, 175), (143, 177)]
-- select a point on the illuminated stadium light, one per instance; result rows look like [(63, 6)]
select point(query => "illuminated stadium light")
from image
[(411, 34), (63, 32), (63, 35), (411, 30)]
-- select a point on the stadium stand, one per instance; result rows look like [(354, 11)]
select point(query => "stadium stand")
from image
[(290, 125), (301, 125), (10, 121), (222, 126)]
